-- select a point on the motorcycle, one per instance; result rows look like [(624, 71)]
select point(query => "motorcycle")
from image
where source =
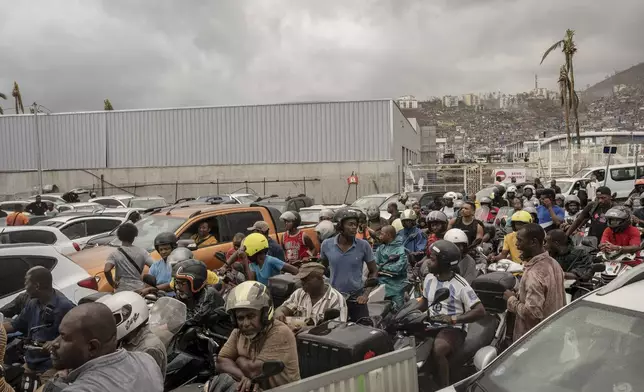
[(269, 369), (615, 266), (505, 265), (585, 284)]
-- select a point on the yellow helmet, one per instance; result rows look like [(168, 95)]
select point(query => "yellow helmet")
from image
[(255, 243), (397, 224), (522, 216)]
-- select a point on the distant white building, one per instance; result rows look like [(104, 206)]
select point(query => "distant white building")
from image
[(450, 101), (471, 100), (408, 102), (618, 87), (507, 101)]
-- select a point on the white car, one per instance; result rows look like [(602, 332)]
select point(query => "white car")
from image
[(145, 203), (38, 235), (80, 207), (593, 344), (312, 214), (114, 201), (125, 213), (381, 201), (81, 227), (16, 259)]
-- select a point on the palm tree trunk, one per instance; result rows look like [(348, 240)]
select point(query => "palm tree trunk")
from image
[(575, 102)]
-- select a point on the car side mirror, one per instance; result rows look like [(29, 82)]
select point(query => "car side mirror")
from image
[(150, 280), (614, 195), (484, 357)]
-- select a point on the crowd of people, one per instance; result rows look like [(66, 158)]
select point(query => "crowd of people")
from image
[(107, 345)]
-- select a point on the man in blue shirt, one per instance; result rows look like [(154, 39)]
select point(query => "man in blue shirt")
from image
[(346, 255), (45, 310), (412, 238), (550, 215), (259, 265), (274, 248)]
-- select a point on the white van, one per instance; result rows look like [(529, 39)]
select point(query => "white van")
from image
[(621, 178)]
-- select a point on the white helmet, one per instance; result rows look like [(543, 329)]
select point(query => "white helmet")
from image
[(325, 229), (129, 309), (408, 215), (450, 195), (456, 236), (512, 189), (178, 255), (459, 196)]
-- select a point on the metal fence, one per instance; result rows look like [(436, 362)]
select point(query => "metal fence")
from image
[(395, 371)]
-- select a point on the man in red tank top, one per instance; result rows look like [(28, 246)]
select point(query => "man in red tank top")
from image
[(298, 247)]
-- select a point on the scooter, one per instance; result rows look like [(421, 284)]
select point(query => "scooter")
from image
[(615, 266), (13, 370), (269, 369), (579, 287)]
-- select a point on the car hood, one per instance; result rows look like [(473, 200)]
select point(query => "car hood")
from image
[(92, 258)]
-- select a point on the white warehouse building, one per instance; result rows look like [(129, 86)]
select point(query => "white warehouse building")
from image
[(185, 152)]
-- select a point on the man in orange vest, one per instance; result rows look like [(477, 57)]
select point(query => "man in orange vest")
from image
[(18, 217)]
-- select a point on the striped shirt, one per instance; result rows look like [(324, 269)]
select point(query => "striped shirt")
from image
[(299, 303), (462, 297)]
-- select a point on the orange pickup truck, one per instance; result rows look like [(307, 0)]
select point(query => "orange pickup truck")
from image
[(225, 220)]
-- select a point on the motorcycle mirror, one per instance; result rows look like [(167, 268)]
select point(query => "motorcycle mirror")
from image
[(331, 314), (440, 296), (598, 267), (371, 282), (270, 369), (150, 280), (221, 256)]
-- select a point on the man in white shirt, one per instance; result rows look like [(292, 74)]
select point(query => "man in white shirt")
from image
[(461, 308), (591, 187), (313, 299)]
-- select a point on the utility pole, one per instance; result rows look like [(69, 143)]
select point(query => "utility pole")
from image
[(39, 147)]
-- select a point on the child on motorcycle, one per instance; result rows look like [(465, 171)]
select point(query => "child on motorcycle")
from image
[(519, 219)]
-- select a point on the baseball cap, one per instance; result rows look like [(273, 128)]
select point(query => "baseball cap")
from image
[(260, 226), (604, 190), (308, 268)]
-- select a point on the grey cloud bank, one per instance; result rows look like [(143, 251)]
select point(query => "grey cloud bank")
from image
[(70, 55)]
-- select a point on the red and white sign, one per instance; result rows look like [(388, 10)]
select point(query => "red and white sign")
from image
[(352, 180), (507, 174)]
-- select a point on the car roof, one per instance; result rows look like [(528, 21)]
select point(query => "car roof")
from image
[(83, 204), (627, 297), (570, 179), (148, 198), (188, 210), (27, 248), (418, 195), (322, 207), (15, 202), (7, 229), (385, 195)]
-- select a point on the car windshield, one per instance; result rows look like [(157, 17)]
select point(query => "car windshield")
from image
[(150, 227), (247, 199), (49, 223), (589, 348), (310, 216), (582, 173), (147, 203), (367, 201), (565, 185)]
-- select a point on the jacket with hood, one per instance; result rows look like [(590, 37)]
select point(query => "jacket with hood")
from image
[(413, 239), (394, 286)]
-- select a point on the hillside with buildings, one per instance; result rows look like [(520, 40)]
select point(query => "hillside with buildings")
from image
[(475, 125)]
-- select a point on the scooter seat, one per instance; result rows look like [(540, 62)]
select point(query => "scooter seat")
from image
[(380, 308), (479, 334)]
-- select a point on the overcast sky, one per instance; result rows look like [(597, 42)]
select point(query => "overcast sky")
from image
[(70, 55)]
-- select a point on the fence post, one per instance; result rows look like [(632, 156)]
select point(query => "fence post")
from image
[(304, 182), (550, 160), (246, 184), (102, 185), (264, 185), (176, 191), (465, 179), (480, 177), (134, 192)]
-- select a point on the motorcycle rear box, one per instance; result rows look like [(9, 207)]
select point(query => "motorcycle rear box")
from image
[(281, 287), (334, 344), (490, 288)]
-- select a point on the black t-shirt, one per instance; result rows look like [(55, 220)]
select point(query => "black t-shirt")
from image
[(36, 208), (470, 230), (596, 212)]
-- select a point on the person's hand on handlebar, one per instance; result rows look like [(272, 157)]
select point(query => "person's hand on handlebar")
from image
[(444, 319), (362, 299)]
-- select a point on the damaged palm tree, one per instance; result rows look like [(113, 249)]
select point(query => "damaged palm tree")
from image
[(17, 98), (107, 105), (568, 48), (3, 97)]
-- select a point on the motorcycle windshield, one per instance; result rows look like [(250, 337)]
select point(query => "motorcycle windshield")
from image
[(482, 213), (167, 316)]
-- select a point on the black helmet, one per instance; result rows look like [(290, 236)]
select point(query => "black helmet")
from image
[(485, 200), (344, 213), (291, 216), (362, 216), (195, 272), (618, 218), (437, 216), (447, 253), (166, 238)]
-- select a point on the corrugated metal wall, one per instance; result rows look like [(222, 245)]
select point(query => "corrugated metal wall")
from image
[(288, 133)]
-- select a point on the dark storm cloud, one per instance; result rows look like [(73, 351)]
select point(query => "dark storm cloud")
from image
[(72, 55)]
